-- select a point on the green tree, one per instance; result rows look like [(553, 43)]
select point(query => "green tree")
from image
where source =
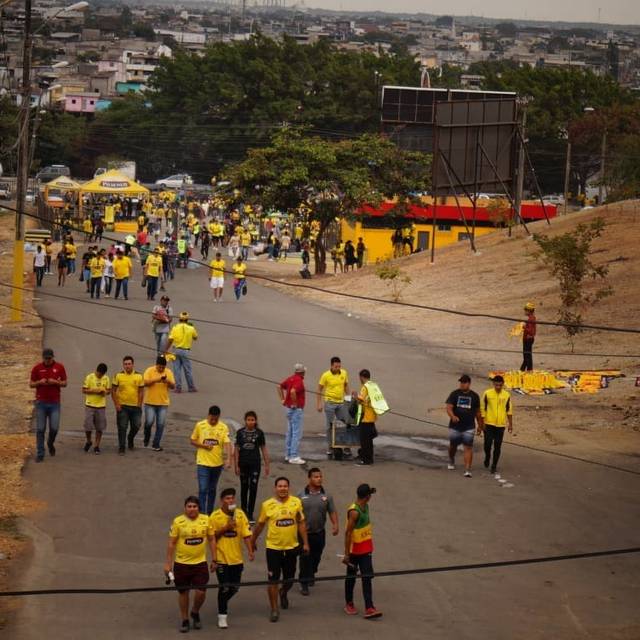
[(568, 259), (329, 179)]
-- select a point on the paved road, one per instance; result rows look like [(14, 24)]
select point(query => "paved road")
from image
[(107, 517)]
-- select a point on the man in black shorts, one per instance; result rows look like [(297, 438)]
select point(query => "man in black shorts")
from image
[(189, 536), (284, 517), (463, 409)]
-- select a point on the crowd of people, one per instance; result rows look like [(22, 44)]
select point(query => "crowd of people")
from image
[(295, 524)]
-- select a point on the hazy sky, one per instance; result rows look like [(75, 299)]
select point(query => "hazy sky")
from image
[(612, 11)]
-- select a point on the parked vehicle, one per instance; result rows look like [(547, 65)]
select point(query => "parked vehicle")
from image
[(128, 167), (5, 191), (553, 199), (176, 181), (47, 174), (30, 196)]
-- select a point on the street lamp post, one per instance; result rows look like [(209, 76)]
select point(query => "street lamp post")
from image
[(23, 160)]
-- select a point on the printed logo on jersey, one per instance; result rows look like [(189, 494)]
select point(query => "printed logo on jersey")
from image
[(192, 542), (285, 522)]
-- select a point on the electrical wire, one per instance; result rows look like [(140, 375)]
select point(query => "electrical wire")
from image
[(607, 553), (270, 381), (41, 291), (397, 303)]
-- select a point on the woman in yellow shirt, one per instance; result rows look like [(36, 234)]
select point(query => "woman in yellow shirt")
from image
[(239, 278)]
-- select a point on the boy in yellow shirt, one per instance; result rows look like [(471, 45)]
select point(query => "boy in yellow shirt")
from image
[(96, 388)]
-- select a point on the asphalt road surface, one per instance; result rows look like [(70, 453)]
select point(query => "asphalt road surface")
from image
[(106, 518)]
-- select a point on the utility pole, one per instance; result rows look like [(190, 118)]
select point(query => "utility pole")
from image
[(567, 173), (603, 155), (22, 173), (520, 180)]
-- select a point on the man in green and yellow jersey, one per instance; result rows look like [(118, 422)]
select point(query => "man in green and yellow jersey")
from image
[(358, 550), (283, 516), (96, 387), (127, 390), (230, 526), (189, 536), (496, 410), (211, 438)]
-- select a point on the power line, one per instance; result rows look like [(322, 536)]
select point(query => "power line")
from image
[(41, 291), (353, 296), (269, 381), (334, 578)]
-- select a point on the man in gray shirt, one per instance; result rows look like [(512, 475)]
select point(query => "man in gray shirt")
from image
[(316, 504), (162, 314)]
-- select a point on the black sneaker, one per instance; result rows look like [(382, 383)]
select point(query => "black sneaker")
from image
[(184, 627), (87, 446), (120, 451), (130, 444), (195, 618), (493, 470), (486, 463), (146, 442), (52, 449), (304, 590), (284, 600), (39, 458), (275, 614), (96, 450), (157, 448)]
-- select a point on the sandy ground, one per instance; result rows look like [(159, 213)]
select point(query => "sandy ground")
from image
[(20, 346), (498, 280)]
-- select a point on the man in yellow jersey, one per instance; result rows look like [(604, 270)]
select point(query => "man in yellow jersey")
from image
[(216, 281), (152, 269), (96, 267), (189, 535), (181, 338), (496, 410), (358, 550), (96, 387), (245, 243), (230, 526), (157, 382), (71, 251), (284, 518), (122, 272), (211, 438), (127, 391), (332, 388), (239, 278)]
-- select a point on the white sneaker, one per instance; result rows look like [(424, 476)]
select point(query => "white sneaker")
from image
[(467, 474), (286, 458), (497, 476), (451, 467), (296, 460), (222, 621)]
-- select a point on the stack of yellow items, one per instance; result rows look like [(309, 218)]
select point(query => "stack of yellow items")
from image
[(531, 382), (588, 383)]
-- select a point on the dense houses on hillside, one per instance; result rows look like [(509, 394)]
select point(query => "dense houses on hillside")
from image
[(83, 60)]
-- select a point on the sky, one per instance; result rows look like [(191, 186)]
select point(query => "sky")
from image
[(611, 11)]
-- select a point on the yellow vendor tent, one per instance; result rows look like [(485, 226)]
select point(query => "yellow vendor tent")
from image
[(113, 183), (56, 188)]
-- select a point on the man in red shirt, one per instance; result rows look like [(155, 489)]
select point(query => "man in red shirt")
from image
[(291, 392), (47, 378), (528, 336)]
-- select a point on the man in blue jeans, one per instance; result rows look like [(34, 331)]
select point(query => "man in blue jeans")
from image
[(157, 382), (47, 378), (211, 439), (292, 397)]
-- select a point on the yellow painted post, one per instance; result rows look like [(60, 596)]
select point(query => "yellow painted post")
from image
[(18, 281)]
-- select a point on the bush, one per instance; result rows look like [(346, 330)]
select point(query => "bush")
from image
[(394, 277)]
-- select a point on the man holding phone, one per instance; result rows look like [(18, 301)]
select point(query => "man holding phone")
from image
[(157, 382)]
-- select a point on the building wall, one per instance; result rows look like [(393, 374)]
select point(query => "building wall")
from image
[(378, 241)]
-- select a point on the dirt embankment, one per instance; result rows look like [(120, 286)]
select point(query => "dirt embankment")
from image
[(20, 349), (498, 280)]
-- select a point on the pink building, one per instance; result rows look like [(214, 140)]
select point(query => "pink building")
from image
[(81, 102)]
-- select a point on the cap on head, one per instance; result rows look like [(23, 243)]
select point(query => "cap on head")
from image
[(184, 315), (364, 491), (497, 379), (529, 306), (47, 353), (464, 378), (300, 368)]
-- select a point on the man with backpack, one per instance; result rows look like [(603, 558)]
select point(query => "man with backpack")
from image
[(372, 404)]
